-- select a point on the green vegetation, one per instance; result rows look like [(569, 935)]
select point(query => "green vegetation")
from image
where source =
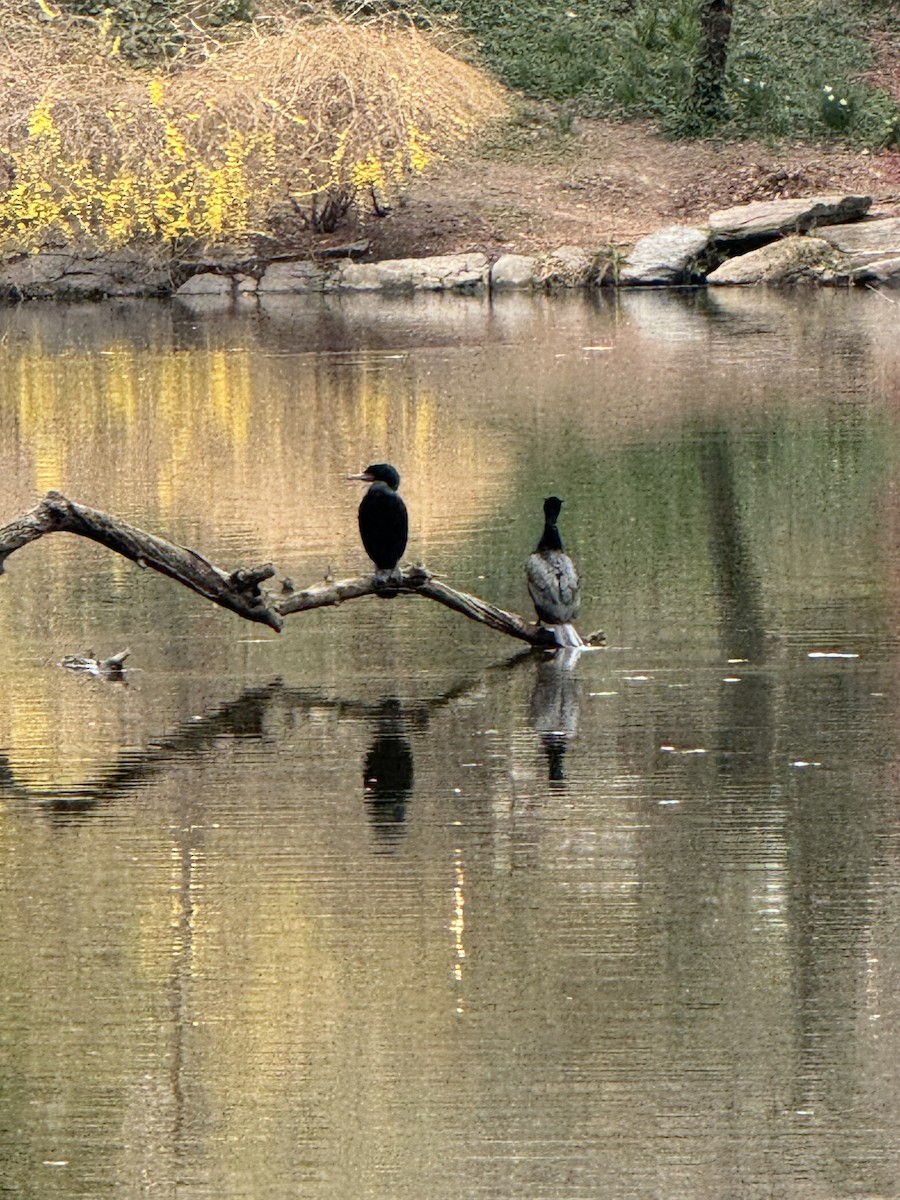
[(144, 31), (637, 58), (795, 68)]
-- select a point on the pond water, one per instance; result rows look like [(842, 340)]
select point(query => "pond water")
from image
[(381, 906)]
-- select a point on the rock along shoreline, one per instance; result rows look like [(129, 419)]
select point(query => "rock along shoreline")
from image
[(829, 240)]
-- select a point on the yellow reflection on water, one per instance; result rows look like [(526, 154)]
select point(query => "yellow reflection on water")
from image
[(59, 730), (458, 923), (38, 415), (122, 389), (230, 449), (230, 437), (231, 396)]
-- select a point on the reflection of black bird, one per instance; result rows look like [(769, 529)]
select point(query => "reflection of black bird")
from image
[(383, 523), (553, 580), (388, 775)]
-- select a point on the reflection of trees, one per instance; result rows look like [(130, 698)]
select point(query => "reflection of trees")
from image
[(807, 836), (131, 770), (747, 733), (833, 837), (737, 580)]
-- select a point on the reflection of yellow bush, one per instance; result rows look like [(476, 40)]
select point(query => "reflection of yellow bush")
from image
[(206, 154)]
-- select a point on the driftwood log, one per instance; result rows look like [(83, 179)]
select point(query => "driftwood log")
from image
[(240, 591)]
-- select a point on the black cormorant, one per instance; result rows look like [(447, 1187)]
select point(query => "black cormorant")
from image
[(383, 523), (553, 580)]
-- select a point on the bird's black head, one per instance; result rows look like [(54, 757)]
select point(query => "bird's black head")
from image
[(380, 473), (552, 505)]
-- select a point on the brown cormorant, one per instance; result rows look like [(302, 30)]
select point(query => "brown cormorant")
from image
[(383, 523), (553, 580)]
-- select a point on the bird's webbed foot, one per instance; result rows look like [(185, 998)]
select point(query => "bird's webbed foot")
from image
[(388, 579)]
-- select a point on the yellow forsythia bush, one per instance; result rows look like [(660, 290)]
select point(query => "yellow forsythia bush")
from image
[(207, 151)]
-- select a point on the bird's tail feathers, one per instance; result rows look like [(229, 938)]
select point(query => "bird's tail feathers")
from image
[(566, 635)]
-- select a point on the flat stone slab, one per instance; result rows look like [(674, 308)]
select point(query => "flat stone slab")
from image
[(207, 284), (443, 272), (770, 218), (881, 237), (513, 271), (670, 255), (788, 261), (295, 276)]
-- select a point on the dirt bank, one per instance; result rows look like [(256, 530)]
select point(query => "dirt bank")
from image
[(602, 183)]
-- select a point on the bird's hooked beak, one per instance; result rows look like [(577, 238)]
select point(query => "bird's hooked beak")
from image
[(363, 476)]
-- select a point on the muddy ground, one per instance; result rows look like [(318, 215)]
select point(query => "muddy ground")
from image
[(537, 186)]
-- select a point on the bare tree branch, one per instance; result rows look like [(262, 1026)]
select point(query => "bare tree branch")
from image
[(240, 591), (419, 582)]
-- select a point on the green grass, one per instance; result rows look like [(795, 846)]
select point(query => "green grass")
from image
[(797, 68), (636, 59), (148, 31)]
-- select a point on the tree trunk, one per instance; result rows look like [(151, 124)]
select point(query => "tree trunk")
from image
[(708, 96)]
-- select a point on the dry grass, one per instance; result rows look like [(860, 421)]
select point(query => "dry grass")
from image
[(383, 100), (318, 110)]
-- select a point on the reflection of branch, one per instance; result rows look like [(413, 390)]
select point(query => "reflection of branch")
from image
[(880, 293), (240, 591), (239, 718)]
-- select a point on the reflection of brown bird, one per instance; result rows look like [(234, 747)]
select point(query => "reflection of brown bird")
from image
[(555, 701), (553, 580)]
